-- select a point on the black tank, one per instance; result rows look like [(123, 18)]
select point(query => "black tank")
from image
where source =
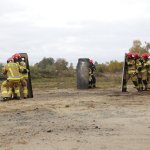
[(83, 73)]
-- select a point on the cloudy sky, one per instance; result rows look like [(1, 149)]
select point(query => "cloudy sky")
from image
[(98, 29)]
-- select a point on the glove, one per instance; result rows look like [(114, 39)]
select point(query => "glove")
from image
[(130, 65), (146, 66), (24, 71), (141, 60), (134, 73), (139, 69)]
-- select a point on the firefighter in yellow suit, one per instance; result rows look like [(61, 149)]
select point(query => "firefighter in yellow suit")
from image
[(145, 70), (131, 71), (92, 79), (24, 73), (138, 70), (12, 71)]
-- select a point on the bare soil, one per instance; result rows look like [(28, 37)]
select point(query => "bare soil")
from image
[(69, 119)]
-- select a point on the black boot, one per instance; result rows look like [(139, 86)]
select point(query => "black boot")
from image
[(124, 90), (5, 99), (140, 84), (18, 98), (145, 84), (136, 85)]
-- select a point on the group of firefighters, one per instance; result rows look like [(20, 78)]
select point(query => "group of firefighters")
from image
[(16, 73), (138, 70)]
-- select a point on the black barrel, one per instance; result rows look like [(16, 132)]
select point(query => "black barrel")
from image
[(83, 73)]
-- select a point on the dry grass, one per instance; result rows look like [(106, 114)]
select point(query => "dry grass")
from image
[(70, 82)]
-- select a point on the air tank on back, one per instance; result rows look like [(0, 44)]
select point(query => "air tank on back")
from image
[(83, 73)]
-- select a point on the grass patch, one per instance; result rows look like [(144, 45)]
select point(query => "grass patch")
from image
[(70, 82), (59, 83), (108, 81)]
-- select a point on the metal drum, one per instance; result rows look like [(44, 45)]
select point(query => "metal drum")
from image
[(83, 73)]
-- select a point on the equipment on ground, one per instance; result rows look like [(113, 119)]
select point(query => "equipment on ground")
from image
[(83, 73)]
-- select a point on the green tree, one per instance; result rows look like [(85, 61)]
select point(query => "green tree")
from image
[(61, 64), (45, 62)]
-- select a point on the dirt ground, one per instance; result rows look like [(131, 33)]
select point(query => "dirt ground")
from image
[(70, 119)]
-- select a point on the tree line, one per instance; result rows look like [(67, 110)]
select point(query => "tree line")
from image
[(49, 67)]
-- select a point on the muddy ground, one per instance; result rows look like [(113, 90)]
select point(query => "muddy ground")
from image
[(70, 119)]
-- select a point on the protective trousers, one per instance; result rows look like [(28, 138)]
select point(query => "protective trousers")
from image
[(14, 88), (24, 84), (144, 78), (8, 87), (5, 90), (133, 78), (140, 83), (92, 79)]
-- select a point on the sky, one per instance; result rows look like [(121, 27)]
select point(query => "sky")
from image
[(102, 30)]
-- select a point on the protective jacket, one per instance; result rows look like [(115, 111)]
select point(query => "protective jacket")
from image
[(131, 66), (12, 70)]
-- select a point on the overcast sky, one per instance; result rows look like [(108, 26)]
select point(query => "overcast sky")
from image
[(98, 29)]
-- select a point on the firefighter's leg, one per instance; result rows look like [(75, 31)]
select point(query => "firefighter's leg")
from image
[(144, 79), (148, 85), (90, 81), (10, 91), (25, 88), (125, 81), (140, 82), (4, 90), (135, 82), (17, 89), (94, 81)]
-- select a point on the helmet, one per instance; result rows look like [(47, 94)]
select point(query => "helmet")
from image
[(145, 56), (136, 55), (91, 61), (9, 59), (16, 56), (129, 55)]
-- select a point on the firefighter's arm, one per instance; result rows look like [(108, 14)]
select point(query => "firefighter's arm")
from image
[(90, 71), (129, 64), (146, 65), (25, 71), (139, 69), (4, 70), (139, 66), (94, 67), (23, 68)]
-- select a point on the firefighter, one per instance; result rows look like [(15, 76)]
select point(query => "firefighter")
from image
[(145, 70), (24, 73), (148, 77), (12, 71), (131, 71), (92, 80), (138, 62), (4, 86)]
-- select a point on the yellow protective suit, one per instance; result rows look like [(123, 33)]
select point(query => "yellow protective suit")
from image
[(12, 71)]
